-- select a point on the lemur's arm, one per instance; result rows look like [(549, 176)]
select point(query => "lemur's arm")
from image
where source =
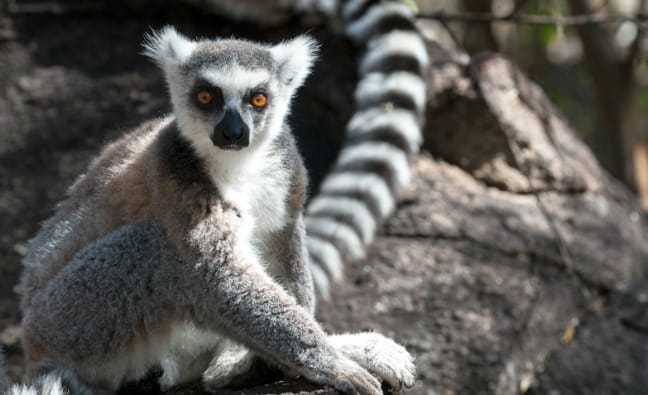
[(288, 246), (229, 291), (291, 265)]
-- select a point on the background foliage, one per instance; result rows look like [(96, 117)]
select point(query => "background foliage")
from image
[(589, 55)]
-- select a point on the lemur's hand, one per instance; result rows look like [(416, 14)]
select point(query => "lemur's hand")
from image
[(380, 355), (233, 362), (383, 357), (352, 379)]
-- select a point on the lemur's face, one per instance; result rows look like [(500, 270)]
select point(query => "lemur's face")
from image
[(229, 91), (231, 105), (230, 94)]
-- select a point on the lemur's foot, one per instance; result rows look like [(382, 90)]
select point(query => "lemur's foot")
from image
[(237, 367), (353, 379), (381, 356)]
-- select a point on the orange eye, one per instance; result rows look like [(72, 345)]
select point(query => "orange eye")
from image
[(259, 100), (204, 97)]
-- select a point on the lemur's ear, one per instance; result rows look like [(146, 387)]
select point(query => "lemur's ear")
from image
[(295, 59), (167, 47)]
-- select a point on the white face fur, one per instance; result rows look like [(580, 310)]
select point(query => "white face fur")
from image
[(230, 97)]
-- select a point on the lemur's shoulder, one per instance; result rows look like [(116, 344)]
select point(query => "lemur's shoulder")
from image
[(117, 157)]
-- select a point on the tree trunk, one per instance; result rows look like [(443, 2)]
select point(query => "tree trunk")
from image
[(617, 141)]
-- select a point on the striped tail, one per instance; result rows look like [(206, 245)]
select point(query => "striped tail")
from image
[(381, 138)]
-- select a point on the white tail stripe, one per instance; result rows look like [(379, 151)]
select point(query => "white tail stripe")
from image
[(400, 120), (359, 30), (393, 157), (356, 210), (400, 82), (327, 254), (364, 183), (327, 7), (404, 43), (334, 230), (320, 280)]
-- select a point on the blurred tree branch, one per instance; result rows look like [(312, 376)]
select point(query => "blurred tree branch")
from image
[(532, 19), (613, 76), (607, 68), (639, 144)]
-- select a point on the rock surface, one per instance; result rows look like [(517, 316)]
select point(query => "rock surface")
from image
[(513, 263)]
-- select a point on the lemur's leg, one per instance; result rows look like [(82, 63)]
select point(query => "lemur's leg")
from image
[(111, 314), (236, 366)]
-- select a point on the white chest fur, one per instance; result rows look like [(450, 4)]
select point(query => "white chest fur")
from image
[(260, 192)]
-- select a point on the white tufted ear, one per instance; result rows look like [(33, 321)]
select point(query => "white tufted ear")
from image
[(167, 47), (295, 59)]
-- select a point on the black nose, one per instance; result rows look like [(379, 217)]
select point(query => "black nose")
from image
[(231, 132), (233, 127)]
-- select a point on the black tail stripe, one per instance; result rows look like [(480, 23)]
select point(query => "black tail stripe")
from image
[(396, 62), (375, 166), (396, 99), (361, 197), (389, 23), (339, 217), (384, 134), (315, 260), (361, 10), (339, 243)]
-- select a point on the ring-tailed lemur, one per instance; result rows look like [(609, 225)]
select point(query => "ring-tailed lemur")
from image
[(382, 136), (182, 247)]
